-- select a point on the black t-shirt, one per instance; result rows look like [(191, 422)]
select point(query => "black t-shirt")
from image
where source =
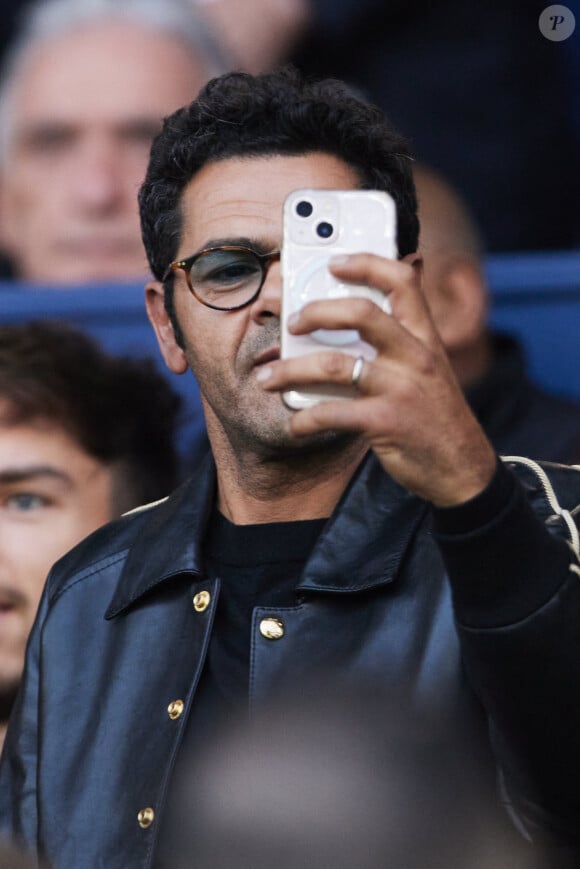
[(257, 565)]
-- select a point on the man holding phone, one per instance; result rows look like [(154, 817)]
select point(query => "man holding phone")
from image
[(375, 542)]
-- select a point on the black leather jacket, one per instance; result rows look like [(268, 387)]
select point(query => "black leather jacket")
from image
[(93, 739)]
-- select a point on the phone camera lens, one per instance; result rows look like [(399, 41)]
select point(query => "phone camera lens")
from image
[(304, 208), (324, 230)]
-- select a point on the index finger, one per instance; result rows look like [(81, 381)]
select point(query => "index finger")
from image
[(400, 280)]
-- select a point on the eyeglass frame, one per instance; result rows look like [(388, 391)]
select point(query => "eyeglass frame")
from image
[(265, 260)]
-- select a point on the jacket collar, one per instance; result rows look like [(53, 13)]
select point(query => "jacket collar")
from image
[(169, 541), (360, 547), (367, 535)]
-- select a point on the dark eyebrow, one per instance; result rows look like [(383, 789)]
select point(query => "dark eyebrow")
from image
[(255, 244), (32, 472), (46, 128), (39, 131), (143, 126)]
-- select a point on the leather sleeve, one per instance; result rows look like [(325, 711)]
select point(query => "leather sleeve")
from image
[(516, 591)]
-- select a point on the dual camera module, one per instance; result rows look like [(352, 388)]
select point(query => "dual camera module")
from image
[(305, 209)]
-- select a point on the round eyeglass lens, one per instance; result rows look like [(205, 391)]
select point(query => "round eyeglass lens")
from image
[(226, 278)]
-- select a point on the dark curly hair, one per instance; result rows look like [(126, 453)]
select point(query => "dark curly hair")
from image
[(121, 411), (276, 113)]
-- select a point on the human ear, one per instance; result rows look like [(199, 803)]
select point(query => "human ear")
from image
[(458, 303), (158, 317)]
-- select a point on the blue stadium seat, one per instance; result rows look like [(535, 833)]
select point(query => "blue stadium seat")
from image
[(537, 298)]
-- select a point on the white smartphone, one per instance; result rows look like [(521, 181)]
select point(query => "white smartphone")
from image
[(320, 224)]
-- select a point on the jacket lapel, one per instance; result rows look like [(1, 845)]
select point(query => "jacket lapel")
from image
[(366, 537)]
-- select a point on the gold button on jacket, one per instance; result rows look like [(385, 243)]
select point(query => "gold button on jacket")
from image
[(272, 629), (201, 601), (175, 709), (145, 817)]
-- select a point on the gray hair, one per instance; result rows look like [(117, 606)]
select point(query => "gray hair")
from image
[(46, 20)]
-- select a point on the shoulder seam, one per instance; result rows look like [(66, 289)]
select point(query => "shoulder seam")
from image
[(87, 572), (551, 497)]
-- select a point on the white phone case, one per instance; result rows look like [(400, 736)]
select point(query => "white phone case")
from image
[(319, 224)]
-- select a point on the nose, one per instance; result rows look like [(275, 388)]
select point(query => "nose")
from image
[(99, 178), (268, 303)]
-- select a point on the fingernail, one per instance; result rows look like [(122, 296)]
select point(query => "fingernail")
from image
[(339, 260), (293, 319), (264, 373)]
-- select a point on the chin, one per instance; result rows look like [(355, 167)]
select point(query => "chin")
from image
[(262, 431), (287, 449)]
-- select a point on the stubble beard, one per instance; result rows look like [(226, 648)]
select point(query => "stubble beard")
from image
[(253, 422), (253, 428)]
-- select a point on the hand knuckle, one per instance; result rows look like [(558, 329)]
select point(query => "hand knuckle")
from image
[(367, 309), (428, 362), (332, 363)]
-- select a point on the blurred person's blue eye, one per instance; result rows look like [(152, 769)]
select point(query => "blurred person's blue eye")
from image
[(26, 502)]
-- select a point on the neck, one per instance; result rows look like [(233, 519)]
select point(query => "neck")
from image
[(472, 364), (253, 489)]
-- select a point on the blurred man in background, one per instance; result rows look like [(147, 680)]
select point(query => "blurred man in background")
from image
[(83, 92), (84, 437), (518, 416)]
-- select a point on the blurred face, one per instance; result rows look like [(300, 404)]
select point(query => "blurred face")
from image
[(84, 111), (52, 494)]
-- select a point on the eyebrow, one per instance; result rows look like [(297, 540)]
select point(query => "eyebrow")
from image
[(32, 472), (37, 131), (255, 244), (39, 128)]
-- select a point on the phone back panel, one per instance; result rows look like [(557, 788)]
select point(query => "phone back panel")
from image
[(320, 224)]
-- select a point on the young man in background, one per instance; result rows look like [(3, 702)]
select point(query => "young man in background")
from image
[(84, 437)]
